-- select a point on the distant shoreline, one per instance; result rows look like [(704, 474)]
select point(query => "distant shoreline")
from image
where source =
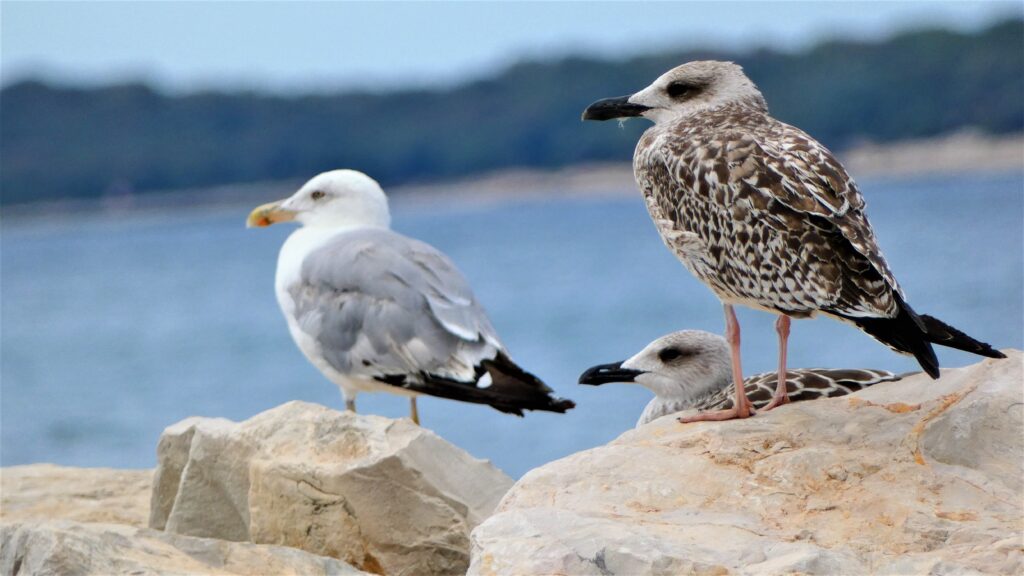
[(954, 154), (957, 153), (962, 152)]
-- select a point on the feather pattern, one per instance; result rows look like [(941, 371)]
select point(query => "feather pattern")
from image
[(803, 384), (763, 214), (389, 310), (381, 304)]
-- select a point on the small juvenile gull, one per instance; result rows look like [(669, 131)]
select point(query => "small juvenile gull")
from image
[(690, 369), (376, 311), (765, 216)]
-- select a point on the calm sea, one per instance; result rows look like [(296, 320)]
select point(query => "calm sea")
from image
[(114, 327)]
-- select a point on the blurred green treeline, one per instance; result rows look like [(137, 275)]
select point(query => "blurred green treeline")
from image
[(60, 142)]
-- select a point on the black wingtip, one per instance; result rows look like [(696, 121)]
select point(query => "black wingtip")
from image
[(904, 333), (513, 388), (562, 405), (914, 333), (945, 335), (557, 405)]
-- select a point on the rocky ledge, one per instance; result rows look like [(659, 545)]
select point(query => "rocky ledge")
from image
[(384, 495), (911, 477), (299, 489), (101, 495), (66, 547)]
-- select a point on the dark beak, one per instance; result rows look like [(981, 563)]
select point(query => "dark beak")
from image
[(605, 373), (611, 108)]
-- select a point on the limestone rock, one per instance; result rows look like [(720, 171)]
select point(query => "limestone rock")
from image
[(384, 495), (69, 548), (46, 491), (916, 476)]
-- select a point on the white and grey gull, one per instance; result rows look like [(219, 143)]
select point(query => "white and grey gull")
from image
[(766, 217), (376, 311), (690, 369)]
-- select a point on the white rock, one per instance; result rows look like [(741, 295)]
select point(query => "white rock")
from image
[(46, 491), (65, 547), (384, 495), (865, 484)]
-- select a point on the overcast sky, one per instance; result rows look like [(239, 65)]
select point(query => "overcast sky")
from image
[(301, 46)]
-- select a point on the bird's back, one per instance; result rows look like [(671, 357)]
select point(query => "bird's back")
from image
[(802, 384), (381, 303), (763, 214), (396, 312)]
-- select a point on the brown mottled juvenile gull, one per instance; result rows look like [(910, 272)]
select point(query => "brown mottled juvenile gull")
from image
[(766, 217), (689, 369), (376, 311)]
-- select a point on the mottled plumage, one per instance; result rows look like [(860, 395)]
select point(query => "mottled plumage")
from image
[(765, 216), (689, 369), (801, 383)]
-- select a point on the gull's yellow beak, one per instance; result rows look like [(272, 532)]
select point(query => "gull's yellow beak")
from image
[(268, 214)]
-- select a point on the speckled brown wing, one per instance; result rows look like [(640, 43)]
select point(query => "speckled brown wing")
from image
[(811, 171), (804, 384), (779, 226)]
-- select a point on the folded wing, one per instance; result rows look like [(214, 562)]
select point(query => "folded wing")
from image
[(394, 309)]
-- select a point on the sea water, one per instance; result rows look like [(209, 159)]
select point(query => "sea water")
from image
[(115, 326)]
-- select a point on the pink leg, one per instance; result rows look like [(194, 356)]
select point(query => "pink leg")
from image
[(741, 405), (781, 395)]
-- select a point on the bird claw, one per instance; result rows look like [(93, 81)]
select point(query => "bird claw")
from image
[(718, 415), (776, 402)]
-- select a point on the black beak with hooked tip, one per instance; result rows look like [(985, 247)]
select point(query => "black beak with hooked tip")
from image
[(612, 108), (605, 373)]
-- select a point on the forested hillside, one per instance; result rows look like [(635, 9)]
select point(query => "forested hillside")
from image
[(60, 142)]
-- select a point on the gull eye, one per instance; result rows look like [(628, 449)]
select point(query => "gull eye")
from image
[(670, 354), (680, 89), (317, 194)]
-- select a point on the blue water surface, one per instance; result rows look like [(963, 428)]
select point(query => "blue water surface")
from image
[(115, 326)]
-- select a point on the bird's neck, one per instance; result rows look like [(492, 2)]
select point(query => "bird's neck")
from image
[(309, 236), (701, 399), (690, 396), (300, 243), (732, 113), (295, 249), (352, 218)]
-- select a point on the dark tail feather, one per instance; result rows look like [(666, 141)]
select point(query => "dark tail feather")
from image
[(945, 335), (513, 389), (904, 333), (914, 334)]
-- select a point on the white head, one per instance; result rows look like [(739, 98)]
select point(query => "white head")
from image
[(680, 365), (683, 91), (335, 199)]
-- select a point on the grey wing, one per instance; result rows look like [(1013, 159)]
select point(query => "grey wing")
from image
[(380, 304)]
